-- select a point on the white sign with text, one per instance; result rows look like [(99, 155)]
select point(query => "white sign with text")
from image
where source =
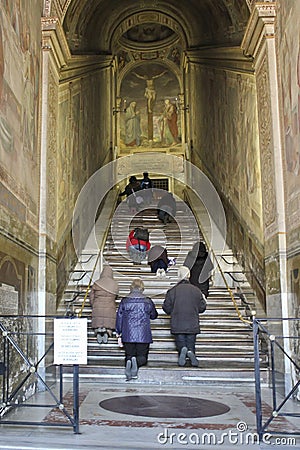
[(70, 341)]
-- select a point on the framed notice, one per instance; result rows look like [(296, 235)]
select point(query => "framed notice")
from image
[(70, 341)]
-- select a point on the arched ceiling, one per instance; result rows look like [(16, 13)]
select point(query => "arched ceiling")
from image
[(96, 26)]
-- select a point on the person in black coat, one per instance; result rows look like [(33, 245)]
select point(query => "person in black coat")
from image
[(130, 191), (146, 186), (133, 327), (200, 265), (184, 302), (166, 208)]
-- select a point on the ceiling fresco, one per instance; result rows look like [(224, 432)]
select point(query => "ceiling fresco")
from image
[(91, 25)]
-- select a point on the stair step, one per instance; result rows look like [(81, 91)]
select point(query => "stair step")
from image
[(167, 376)]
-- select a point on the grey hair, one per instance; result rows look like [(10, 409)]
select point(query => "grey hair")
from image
[(183, 273), (137, 284)]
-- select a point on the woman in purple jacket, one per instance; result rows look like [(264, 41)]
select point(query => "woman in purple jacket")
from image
[(133, 326)]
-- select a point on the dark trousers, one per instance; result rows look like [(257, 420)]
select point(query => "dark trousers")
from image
[(185, 340), (140, 351), (163, 216), (158, 264)]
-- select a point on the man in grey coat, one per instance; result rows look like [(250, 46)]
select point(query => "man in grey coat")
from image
[(184, 302)]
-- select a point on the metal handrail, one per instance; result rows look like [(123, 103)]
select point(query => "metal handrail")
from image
[(79, 314), (227, 262), (229, 290)]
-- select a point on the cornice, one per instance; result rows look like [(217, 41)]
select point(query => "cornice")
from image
[(67, 65), (53, 39), (261, 26), (226, 58)]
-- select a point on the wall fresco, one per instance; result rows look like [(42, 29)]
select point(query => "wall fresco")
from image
[(149, 93), (289, 69), (19, 89), (225, 130)]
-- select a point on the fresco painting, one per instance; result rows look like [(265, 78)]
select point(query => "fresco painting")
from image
[(221, 138), (63, 171), (19, 89), (289, 53), (150, 107)]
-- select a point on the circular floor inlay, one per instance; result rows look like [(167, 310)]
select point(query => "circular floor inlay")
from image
[(164, 406)]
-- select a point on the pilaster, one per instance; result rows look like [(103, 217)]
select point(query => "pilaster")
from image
[(259, 43)]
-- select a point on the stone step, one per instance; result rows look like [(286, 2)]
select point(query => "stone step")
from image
[(170, 361), (205, 337), (163, 345), (166, 376)]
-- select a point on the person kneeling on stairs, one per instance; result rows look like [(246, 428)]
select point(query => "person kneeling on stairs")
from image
[(184, 302), (133, 326), (102, 297)]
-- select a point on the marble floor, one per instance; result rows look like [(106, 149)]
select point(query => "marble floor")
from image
[(101, 428)]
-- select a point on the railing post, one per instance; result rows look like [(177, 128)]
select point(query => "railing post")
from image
[(61, 393), (76, 398), (257, 379)]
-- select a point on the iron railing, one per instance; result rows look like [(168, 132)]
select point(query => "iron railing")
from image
[(23, 370), (283, 349)]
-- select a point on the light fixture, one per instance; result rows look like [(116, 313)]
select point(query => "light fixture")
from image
[(118, 108), (180, 103)]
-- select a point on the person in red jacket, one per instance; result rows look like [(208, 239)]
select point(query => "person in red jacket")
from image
[(137, 248)]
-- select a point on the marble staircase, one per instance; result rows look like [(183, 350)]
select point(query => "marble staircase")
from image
[(224, 347)]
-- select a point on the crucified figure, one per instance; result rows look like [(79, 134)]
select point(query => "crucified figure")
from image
[(150, 92)]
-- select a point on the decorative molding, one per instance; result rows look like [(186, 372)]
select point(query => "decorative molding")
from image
[(261, 25), (47, 8), (231, 58), (52, 155), (266, 144), (68, 66), (139, 18)]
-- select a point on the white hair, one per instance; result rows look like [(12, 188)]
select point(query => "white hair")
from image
[(183, 272)]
